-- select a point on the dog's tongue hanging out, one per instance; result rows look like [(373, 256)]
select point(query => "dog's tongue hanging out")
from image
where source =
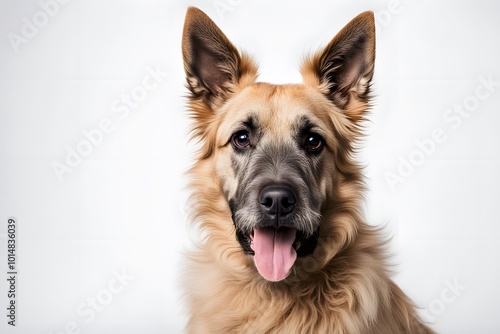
[(274, 252)]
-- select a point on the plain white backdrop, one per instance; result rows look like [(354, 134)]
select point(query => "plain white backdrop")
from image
[(101, 232)]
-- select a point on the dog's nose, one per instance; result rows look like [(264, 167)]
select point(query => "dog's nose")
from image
[(277, 201)]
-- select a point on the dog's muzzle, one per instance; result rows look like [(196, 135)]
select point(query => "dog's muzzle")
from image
[(276, 241)]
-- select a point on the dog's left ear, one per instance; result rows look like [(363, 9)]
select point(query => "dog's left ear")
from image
[(214, 67), (344, 68)]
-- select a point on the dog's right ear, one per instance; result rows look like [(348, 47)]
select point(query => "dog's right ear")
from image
[(214, 68)]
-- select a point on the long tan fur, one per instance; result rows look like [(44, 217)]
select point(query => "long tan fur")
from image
[(344, 286)]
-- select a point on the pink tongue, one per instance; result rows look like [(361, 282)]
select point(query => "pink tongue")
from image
[(274, 253)]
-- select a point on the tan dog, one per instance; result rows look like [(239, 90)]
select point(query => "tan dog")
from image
[(277, 194)]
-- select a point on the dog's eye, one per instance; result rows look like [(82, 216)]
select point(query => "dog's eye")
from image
[(241, 139), (314, 142)]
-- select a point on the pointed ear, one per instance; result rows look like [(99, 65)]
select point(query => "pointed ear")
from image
[(214, 67), (343, 70)]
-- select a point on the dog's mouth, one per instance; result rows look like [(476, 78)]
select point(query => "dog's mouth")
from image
[(276, 249)]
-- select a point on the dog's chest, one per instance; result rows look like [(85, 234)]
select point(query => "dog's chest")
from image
[(221, 303)]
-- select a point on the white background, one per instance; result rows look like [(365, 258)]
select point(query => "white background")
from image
[(122, 208)]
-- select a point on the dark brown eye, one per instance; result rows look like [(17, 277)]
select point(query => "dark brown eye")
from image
[(241, 139), (314, 142)]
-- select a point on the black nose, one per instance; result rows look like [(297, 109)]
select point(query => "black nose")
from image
[(277, 201)]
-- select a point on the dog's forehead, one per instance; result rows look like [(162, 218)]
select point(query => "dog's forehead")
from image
[(275, 109)]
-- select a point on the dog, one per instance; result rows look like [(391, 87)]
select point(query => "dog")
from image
[(277, 193)]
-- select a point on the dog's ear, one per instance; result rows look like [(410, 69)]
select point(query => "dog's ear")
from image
[(344, 68), (214, 68)]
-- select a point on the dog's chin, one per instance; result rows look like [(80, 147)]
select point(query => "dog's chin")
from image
[(275, 250)]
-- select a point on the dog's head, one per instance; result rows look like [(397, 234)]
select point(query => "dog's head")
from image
[(281, 155)]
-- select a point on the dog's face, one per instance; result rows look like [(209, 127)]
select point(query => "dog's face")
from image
[(275, 163), (280, 153)]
